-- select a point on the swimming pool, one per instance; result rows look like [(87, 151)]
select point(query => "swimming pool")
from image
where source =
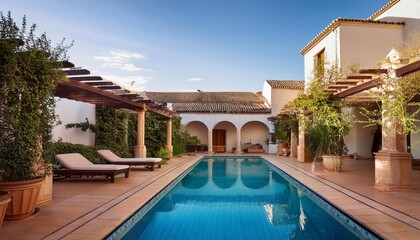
[(238, 198)]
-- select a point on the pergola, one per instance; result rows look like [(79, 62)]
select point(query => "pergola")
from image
[(81, 86), (392, 162)]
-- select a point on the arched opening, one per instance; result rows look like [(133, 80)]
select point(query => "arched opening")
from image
[(199, 130), (224, 136), (255, 133)]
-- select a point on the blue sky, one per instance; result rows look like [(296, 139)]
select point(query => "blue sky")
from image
[(185, 45)]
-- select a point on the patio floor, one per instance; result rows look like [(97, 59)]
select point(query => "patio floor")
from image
[(92, 208)]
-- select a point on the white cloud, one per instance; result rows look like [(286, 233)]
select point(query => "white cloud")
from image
[(125, 67), (195, 79), (135, 83), (122, 60)]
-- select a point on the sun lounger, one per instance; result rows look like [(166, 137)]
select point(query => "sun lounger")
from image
[(110, 157), (76, 164)]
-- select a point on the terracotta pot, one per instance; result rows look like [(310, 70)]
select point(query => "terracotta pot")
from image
[(332, 162), (24, 197), (5, 198)]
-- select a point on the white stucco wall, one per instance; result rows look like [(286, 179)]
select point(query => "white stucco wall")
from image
[(407, 11), (70, 111), (349, 43), (331, 44), (280, 97), (210, 120), (360, 138), (415, 143), (367, 44), (266, 92)]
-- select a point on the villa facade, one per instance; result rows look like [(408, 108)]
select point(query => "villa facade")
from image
[(363, 43)]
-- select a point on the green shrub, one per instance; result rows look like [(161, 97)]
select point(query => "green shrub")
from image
[(64, 147)]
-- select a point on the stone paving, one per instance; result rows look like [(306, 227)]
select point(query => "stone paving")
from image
[(91, 208)]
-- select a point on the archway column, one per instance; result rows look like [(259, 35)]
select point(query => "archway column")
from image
[(238, 142), (140, 150), (293, 145), (169, 146), (210, 140)]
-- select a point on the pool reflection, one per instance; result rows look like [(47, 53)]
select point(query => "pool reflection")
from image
[(240, 196)]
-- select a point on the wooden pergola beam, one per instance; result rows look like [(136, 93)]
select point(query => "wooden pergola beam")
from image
[(407, 69), (86, 78), (71, 72), (80, 91), (358, 88)]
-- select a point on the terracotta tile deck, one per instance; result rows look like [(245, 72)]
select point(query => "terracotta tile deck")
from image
[(92, 208)]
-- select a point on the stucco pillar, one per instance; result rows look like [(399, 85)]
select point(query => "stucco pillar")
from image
[(301, 146), (293, 145), (169, 146), (140, 150), (238, 142), (392, 163), (210, 140)]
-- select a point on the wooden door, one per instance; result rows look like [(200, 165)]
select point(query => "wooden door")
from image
[(219, 140)]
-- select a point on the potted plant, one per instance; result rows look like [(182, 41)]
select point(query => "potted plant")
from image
[(326, 124), (28, 78), (283, 128)]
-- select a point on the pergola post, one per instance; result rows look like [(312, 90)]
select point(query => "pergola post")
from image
[(140, 150), (169, 146), (301, 146), (392, 163), (293, 145)]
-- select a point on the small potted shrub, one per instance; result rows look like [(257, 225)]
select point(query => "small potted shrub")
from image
[(327, 124), (282, 129), (28, 78)]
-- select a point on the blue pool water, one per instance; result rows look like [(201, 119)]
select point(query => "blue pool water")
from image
[(239, 198)]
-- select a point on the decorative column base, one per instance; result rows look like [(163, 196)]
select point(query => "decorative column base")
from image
[(170, 150), (304, 154), (210, 152), (238, 152), (392, 171), (140, 151), (301, 154)]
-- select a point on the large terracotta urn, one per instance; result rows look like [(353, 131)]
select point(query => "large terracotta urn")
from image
[(332, 162), (24, 197), (5, 198)]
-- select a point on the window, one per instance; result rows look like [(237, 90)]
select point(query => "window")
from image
[(319, 61)]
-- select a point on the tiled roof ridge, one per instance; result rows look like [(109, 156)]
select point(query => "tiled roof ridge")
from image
[(191, 97), (334, 24), (383, 9), (287, 84)]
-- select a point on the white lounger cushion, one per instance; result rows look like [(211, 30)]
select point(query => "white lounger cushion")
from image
[(76, 161), (111, 157)]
